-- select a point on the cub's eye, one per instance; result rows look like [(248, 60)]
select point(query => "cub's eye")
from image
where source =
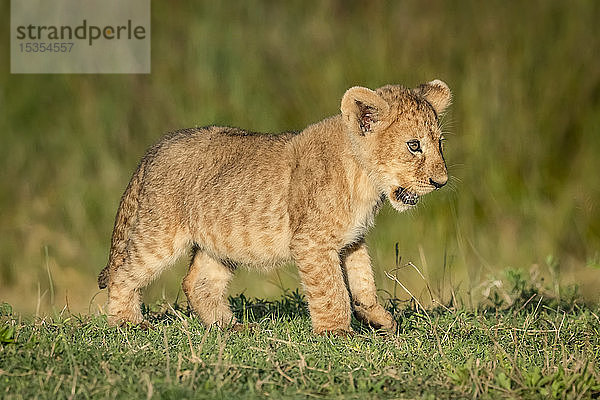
[(414, 146)]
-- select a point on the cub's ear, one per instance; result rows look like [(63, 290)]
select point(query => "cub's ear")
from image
[(363, 110), (437, 93)]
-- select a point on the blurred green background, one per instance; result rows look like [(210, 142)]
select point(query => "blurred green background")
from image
[(523, 136)]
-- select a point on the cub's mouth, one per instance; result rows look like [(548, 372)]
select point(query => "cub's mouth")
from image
[(406, 196)]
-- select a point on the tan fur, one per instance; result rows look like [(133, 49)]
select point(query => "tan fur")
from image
[(241, 198)]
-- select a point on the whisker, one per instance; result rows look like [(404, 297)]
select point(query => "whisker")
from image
[(454, 179), (455, 165), (447, 128), (446, 124), (452, 187)]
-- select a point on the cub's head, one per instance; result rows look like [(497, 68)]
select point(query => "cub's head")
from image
[(396, 137)]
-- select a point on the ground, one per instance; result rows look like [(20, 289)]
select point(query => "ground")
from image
[(536, 347)]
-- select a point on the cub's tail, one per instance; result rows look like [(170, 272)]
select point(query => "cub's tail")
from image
[(125, 219)]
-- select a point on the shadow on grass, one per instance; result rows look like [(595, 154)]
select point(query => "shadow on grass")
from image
[(517, 295), (291, 305)]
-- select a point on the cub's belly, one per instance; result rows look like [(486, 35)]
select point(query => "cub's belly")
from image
[(251, 239)]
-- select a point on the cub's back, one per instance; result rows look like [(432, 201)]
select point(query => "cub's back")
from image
[(228, 187)]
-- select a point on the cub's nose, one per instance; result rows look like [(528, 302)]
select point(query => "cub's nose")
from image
[(437, 185)]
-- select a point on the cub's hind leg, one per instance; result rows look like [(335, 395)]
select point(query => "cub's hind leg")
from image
[(148, 253), (205, 286)]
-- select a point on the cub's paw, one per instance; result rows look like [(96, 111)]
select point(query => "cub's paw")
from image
[(377, 317), (343, 333), (142, 325), (123, 320), (389, 328)]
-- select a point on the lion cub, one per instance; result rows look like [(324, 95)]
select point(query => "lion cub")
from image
[(242, 198)]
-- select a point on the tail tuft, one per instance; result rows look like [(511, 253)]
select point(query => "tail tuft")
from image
[(103, 278)]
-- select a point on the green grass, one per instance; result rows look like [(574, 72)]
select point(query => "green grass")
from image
[(522, 132), (535, 347)]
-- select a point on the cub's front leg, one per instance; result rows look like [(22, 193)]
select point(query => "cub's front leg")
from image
[(323, 281), (357, 265)]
